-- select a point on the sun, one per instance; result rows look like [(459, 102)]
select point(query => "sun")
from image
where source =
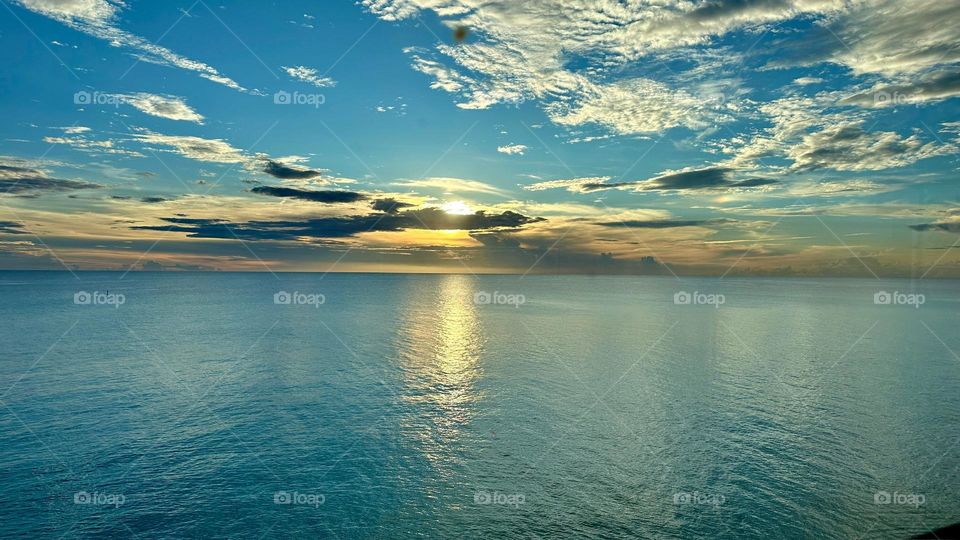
[(459, 208)]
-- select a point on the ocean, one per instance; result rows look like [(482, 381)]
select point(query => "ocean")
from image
[(253, 405)]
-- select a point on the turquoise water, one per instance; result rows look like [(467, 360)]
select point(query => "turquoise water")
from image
[(397, 406)]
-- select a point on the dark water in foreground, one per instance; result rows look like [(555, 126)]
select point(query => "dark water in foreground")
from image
[(403, 406)]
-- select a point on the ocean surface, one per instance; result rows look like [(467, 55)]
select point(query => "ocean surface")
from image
[(226, 405)]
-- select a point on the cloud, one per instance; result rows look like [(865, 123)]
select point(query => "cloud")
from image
[(934, 86), (847, 147), (287, 172), (329, 196), (91, 146), (943, 226), (309, 75), (634, 106), (511, 149), (803, 81), (169, 107), (573, 185), (891, 37), (453, 185), (212, 150), (153, 200), (390, 206), (709, 178), (12, 227), (341, 226), (853, 187), (812, 133), (666, 223), (23, 180), (97, 17), (526, 51)]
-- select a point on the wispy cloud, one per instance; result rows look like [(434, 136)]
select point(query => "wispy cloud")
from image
[(98, 18), (309, 75)]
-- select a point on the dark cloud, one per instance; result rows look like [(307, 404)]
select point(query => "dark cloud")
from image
[(710, 178), (328, 196), (390, 206), (153, 200), (286, 172), (342, 226), (933, 86), (12, 227), (945, 226), (666, 223), (31, 182), (754, 182)]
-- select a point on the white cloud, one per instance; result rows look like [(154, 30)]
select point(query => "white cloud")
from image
[(847, 147), (893, 37), (634, 106), (526, 47), (97, 18), (75, 130), (83, 144), (212, 150), (170, 107), (309, 75), (453, 185), (812, 133), (512, 149), (803, 81), (573, 185)]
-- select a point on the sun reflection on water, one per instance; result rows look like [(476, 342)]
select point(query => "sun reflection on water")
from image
[(441, 341)]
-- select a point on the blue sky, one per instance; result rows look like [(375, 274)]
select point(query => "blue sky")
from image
[(769, 137)]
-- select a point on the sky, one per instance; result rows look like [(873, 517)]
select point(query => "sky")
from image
[(718, 137)]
